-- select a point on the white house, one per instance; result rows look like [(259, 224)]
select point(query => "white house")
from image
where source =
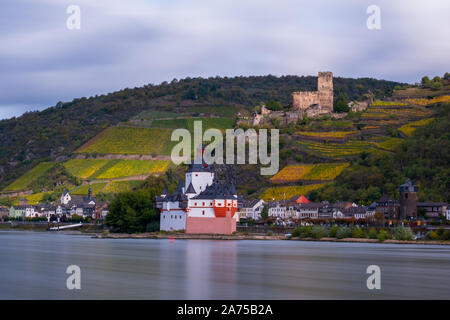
[(252, 209), (308, 210)]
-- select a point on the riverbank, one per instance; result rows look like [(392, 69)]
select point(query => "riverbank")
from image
[(42, 227), (156, 235)]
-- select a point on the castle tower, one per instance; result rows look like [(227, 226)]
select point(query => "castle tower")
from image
[(325, 89), (408, 200), (322, 98), (199, 175)]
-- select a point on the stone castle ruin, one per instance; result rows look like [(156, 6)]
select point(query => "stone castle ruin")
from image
[(316, 102), (311, 104)]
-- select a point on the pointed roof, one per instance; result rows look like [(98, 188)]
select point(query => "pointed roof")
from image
[(216, 190), (190, 189), (165, 191), (233, 189), (65, 192), (300, 199)]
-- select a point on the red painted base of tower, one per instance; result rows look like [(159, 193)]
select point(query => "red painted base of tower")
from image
[(225, 225)]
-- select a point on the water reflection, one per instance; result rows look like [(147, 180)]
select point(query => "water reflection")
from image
[(33, 265)]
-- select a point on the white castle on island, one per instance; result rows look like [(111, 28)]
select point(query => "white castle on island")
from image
[(202, 204)]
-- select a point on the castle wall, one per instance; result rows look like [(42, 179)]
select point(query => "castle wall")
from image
[(323, 97), (226, 225), (174, 220), (303, 100)]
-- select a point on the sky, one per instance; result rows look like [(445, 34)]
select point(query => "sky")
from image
[(126, 44)]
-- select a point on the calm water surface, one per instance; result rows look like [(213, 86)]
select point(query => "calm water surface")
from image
[(33, 265)]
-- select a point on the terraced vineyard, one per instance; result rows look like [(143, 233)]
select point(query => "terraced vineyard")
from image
[(84, 168), (427, 102), (337, 150), (130, 140), (83, 189), (326, 134), (128, 168), (388, 103), (322, 171), (113, 169), (409, 128), (389, 144), (281, 193), (22, 182), (32, 198), (121, 186)]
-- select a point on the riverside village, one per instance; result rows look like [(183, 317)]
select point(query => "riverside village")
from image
[(204, 204)]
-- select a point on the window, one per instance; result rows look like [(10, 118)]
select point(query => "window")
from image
[(203, 212)]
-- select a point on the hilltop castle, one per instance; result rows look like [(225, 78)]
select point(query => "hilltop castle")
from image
[(316, 102)]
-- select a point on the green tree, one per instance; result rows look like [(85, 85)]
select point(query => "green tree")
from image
[(425, 80), (265, 213), (135, 211), (274, 105), (341, 103)]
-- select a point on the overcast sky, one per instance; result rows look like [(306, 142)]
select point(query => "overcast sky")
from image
[(130, 43)]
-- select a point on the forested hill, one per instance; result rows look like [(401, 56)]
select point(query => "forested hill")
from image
[(59, 130)]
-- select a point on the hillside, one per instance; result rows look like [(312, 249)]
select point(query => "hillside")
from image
[(318, 157), (57, 132)]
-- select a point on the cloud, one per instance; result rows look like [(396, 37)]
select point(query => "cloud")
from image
[(131, 43)]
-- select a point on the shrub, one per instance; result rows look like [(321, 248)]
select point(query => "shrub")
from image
[(433, 235), (302, 232), (343, 232), (318, 232), (445, 235), (333, 230), (358, 233), (373, 233), (403, 233), (383, 235)]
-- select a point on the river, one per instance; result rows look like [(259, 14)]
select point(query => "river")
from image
[(33, 266)]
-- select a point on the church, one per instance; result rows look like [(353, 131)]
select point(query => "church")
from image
[(200, 205)]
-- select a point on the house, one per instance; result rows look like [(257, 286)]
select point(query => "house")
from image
[(299, 199), (308, 210), (200, 205), (387, 208), (433, 209), (30, 212), (355, 212), (75, 204), (101, 210), (17, 212), (277, 209), (46, 210), (370, 211), (4, 211), (252, 209), (23, 202), (325, 210)]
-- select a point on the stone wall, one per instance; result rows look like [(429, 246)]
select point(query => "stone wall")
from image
[(323, 97), (303, 100)]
